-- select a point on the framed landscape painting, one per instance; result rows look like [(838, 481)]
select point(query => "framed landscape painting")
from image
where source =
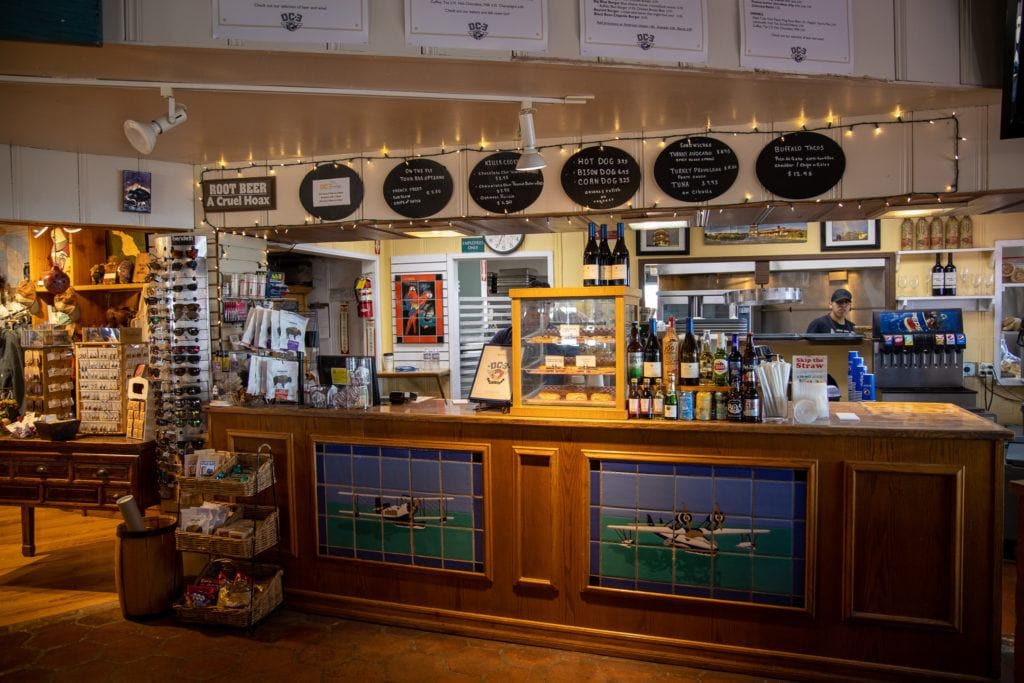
[(851, 235)]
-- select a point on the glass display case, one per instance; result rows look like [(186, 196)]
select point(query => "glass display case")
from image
[(1009, 305), (568, 350)]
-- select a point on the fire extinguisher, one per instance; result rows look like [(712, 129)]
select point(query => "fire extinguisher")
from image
[(364, 295)]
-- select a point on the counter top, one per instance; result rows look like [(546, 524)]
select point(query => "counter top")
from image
[(829, 338), (876, 419), (88, 444)]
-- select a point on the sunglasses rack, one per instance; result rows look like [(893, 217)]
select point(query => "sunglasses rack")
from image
[(177, 303)]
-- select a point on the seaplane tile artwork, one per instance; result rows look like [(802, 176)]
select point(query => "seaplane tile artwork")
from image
[(710, 531), (409, 506)]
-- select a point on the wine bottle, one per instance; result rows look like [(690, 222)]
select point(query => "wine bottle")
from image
[(646, 397), (634, 354), (749, 362), (720, 364), (658, 401), (706, 360), (669, 349), (735, 361), (604, 258), (938, 276), (949, 277), (591, 267), (633, 401), (671, 407), (652, 355), (689, 369), (620, 257)]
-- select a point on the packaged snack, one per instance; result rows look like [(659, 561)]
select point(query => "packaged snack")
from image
[(907, 234), (952, 238), (937, 235), (922, 238), (199, 595), (966, 233)]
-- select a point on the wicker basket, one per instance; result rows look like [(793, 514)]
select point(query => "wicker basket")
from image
[(263, 603), (261, 463), (265, 536)]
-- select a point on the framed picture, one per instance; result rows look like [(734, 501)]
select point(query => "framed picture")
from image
[(137, 191), (851, 235), (769, 233), (493, 380), (663, 242), (419, 309)]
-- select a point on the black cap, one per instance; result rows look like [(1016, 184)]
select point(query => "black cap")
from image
[(842, 295)]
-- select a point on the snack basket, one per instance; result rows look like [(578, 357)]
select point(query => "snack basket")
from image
[(263, 602), (265, 535), (261, 464)]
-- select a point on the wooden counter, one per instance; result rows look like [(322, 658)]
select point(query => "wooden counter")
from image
[(865, 549)]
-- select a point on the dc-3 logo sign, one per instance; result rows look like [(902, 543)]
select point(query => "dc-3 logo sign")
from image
[(799, 53), (478, 30), (291, 20), (645, 40)]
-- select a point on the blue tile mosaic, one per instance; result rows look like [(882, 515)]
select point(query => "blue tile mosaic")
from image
[(728, 532), (407, 506)]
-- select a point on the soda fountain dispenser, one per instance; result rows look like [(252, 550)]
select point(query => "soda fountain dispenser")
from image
[(919, 356)]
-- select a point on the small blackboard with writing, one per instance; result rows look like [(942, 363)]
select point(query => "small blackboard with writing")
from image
[(696, 169), (601, 177), (800, 165), (331, 192), (418, 188), (496, 186)]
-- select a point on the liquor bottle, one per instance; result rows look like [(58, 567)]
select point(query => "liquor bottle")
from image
[(633, 400), (652, 354), (689, 369), (591, 267), (938, 276), (706, 360), (645, 399), (735, 361), (751, 401), (720, 364), (949, 277), (749, 361), (658, 401), (671, 406), (634, 354), (604, 258), (670, 350), (620, 257), (734, 403)]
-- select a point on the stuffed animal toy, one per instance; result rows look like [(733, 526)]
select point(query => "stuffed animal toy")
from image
[(68, 311), (26, 296)]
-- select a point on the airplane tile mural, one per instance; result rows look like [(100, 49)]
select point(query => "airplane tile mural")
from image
[(710, 531), (408, 506)]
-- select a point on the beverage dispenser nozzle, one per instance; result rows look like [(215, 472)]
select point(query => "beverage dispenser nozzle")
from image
[(910, 350), (940, 349), (897, 345), (950, 350), (961, 347), (887, 350)]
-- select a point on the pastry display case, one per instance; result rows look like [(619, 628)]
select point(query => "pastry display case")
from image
[(568, 350)]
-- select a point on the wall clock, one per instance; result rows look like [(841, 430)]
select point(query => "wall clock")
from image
[(503, 244)]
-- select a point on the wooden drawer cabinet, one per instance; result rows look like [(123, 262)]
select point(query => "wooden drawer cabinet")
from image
[(87, 473)]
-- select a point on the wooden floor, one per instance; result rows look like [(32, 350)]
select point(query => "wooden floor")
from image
[(72, 568)]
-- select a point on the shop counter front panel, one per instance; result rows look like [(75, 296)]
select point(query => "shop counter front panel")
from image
[(407, 506)]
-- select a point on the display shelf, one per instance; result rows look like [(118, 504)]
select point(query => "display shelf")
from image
[(980, 302), (915, 252), (130, 287), (1008, 285), (569, 371)]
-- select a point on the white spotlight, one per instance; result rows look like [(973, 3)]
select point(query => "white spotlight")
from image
[(530, 159), (142, 136)]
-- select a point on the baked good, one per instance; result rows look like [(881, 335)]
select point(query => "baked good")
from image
[(603, 395), (576, 395)]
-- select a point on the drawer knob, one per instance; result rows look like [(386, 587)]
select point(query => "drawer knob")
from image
[(102, 473), (41, 469)]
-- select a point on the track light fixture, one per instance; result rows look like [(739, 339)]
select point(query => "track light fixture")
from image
[(530, 159), (142, 136)]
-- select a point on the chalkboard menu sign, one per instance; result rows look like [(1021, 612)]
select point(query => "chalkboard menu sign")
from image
[(498, 187), (600, 177), (696, 169), (331, 192), (800, 165), (418, 188)]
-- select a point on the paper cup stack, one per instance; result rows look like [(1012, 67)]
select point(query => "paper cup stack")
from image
[(773, 376)]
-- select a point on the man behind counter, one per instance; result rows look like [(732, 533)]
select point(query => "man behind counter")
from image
[(836, 320)]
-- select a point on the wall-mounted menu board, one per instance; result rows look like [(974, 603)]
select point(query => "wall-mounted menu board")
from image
[(800, 165), (331, 192), (498, 187), (696, 169), (418, 188), (600, 177)]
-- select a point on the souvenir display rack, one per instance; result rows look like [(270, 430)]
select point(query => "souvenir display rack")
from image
[(49, 368), (104, 369)]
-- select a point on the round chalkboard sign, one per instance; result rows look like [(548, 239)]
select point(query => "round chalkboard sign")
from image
[(600, 177), (800, 165), (498, 187), (696, 169), (418, 188), (331, 192)]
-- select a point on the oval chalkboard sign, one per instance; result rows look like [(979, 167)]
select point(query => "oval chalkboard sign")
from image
[(800, 165), (600, 177), (498, 187), (696, 169), (418, 188), (331, 192)]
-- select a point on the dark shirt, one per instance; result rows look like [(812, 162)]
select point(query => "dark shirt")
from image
[(502, 337), (825, 324)]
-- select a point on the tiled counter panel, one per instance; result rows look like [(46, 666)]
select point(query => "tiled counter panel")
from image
[(777, 549)]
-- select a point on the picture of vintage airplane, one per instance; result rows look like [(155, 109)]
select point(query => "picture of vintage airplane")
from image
[(679, 532), (405, 511)]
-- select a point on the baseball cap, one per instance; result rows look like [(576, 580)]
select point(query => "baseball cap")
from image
[(841, 295)]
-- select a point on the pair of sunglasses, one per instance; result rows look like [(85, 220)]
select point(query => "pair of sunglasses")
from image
[(182, 265), (185, 253)]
